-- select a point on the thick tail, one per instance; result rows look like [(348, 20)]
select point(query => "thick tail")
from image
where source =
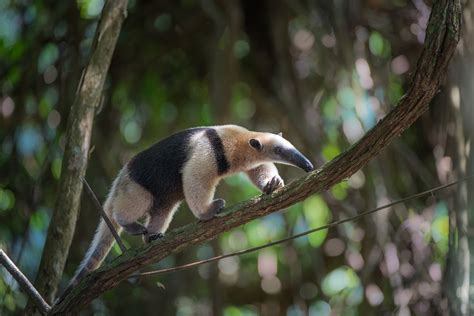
[(98, 250)]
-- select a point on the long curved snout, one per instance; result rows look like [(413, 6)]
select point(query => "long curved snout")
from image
[(293, 157)]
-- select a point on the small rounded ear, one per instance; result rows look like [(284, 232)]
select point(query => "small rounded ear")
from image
[(280, 134), (255, 143)]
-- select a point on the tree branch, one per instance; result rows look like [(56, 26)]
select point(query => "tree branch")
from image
[(24, 282), (104, 215), (441, 40), (78, 135)]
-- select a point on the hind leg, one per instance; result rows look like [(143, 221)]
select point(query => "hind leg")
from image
[(134, 228), (130, 203), (159, 221)]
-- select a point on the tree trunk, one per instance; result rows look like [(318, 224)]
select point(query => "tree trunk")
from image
[(78, 135), (227, 17), (460, 267)]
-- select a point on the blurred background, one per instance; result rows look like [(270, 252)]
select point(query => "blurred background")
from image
[(322, 72)]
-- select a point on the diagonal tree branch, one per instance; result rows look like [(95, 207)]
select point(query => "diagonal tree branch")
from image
[(441, 40)]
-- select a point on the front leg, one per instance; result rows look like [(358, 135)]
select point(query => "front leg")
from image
[(266, 177), (199, 188)]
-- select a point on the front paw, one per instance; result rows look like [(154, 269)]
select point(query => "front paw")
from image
[(274, 183), (216, 206)]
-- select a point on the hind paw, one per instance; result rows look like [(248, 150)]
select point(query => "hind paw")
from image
[(152, 237)]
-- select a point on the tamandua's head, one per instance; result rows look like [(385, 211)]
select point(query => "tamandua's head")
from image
[(275, 148)]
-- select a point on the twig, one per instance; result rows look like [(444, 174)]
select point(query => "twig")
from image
[(104, 215), (24, 282), (283, 240)]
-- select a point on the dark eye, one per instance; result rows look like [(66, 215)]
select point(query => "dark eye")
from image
[(277, 149), (255, 143)]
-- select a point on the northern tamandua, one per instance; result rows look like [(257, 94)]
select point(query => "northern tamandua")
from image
[(187, 166)]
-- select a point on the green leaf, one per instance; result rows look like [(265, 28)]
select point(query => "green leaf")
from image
[(376, 43), (339, 191), (7, 199), (56, 168), (343, 282)]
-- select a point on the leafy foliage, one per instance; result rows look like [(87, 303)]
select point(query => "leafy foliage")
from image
[(321, 73)]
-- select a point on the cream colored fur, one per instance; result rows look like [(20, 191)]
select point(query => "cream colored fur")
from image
[(200, 176), (129, 200)]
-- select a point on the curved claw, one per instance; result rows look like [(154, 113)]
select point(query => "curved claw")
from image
[(275, 183), (215, 208)]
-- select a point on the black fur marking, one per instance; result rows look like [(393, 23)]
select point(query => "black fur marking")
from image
[(158, 168), (222, 164)]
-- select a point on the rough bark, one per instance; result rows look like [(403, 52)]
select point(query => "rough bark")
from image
[(441, 39), (78, 134)]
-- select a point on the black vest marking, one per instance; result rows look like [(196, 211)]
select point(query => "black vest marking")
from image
[(222, 163)]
